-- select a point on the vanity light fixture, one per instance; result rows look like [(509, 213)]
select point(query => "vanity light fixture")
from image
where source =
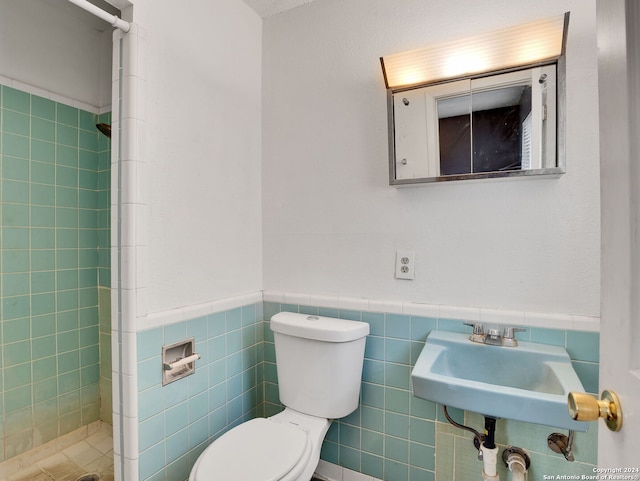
[(522, 46)]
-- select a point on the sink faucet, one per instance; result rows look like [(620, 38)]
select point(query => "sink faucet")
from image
[(494, 337)]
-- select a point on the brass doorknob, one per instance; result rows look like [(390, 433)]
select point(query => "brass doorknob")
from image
[(585, 407)]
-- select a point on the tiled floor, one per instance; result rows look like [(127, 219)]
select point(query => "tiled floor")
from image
[(93, 455)]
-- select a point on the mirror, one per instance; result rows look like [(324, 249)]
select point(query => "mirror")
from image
[(502, 125)]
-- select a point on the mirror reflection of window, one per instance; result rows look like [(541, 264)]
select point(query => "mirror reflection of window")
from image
[(498, 124), (526, 142), (454, 135), (497, 128), (484, 131)]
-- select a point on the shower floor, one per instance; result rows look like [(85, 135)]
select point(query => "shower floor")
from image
[(92, 455)]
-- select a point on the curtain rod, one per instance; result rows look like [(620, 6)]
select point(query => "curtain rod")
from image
[(106, 16)]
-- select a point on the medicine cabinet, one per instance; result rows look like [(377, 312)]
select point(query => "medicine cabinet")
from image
[(507, 122)]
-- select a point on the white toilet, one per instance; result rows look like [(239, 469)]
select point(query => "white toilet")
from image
[(319, 362)]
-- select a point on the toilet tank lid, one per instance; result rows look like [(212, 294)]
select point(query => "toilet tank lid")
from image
[(318, 328)]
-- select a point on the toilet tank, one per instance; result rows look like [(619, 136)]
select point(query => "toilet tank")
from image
[(319, 363)]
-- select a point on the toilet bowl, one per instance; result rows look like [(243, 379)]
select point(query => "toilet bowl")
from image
[(285, 447), (319, 363)]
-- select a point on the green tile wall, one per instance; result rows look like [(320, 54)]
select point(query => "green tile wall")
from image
[(54, 242)]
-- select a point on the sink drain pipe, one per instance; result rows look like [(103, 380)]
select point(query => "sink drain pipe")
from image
[(518, 462), (489, 451), (516, 466), (485, 444), (516, 459)]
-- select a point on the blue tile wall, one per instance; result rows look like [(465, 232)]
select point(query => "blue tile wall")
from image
[(178, 421), (392, 435)]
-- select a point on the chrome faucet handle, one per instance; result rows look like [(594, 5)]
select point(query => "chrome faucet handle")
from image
[(510, 332), (478, 329), (509, 336)]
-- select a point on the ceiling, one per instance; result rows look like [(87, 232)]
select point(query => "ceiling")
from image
[(84, 16), (267, 8), (264, 8)]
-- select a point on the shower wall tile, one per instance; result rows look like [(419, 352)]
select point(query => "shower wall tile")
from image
[(43, 108), (42, 129), (51, 192), (13, 168), (16, 100)]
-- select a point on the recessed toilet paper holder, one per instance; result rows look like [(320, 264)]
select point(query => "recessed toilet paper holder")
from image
[(178, 360)]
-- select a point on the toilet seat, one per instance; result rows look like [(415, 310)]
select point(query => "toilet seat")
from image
[(259, 449)]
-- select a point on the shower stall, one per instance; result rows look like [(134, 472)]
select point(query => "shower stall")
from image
[(55, 299), (55, 189)]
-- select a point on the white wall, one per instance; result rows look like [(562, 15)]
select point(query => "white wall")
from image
[(332, 223), (202, 150), (203, 123), (56, 46)]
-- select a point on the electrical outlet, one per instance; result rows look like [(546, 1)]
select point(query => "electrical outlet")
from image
[(405, 264)]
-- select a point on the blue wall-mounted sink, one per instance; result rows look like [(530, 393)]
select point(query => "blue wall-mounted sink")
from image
[(529, 382)]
